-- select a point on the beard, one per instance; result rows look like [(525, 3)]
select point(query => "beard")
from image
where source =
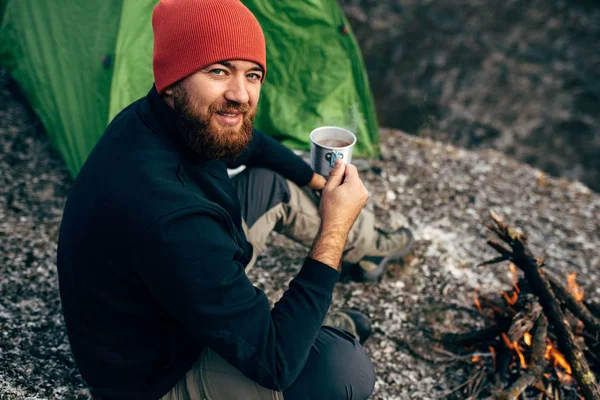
[(198, 131)]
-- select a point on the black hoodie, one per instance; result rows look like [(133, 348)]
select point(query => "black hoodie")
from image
[(151, 263)]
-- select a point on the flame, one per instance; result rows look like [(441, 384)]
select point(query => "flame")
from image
[(477, 303), (515, 346), (574, 288), (520, 354), (475, 359), (507, 342), (513, 273), (527, 338), (565, 379), (558, 359), (512, 299)]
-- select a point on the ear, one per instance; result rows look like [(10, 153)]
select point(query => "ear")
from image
[(167, 96), (169, 89)]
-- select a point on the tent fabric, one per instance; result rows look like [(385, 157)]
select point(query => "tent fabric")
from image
[(80, 64), (134, 54), (56, 56), (315, 75)]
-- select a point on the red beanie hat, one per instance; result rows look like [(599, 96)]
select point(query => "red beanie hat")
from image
[(191, 34)]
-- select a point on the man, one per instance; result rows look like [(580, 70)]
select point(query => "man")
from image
[(156, 238)]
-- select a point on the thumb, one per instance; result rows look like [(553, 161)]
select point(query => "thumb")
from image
[(336, 175)]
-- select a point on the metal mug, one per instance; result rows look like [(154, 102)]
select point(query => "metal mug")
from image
[(327, 144)]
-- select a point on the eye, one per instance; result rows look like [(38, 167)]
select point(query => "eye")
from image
[(254, 76), (217, 71)]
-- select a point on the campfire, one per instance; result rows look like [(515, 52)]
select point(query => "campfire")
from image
[(542, 341)]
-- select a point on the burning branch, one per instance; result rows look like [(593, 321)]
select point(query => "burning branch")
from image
[(524, 320), (536, 365), (575, 306), (532, 268)]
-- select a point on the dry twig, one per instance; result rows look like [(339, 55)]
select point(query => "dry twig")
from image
[(532, 268), (524, 320), (487, 333), (576, 307), (496, 260), (537, 363), (473, 377)]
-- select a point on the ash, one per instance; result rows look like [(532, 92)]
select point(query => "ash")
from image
[(441, 192)]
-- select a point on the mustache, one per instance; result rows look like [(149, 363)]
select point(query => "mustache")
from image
[(230, 107)]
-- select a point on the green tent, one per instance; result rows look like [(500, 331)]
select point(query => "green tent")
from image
[(80, 63)]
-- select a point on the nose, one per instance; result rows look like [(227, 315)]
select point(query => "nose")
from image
[(237, 91)]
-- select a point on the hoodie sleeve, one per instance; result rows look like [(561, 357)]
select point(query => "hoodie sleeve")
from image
[(189, 264), (264, 151)]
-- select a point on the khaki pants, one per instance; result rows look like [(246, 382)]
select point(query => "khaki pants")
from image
[(338, 368), (297, 218), (270, 203), (214, 378)]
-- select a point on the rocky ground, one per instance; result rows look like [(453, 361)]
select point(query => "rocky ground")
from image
[(522, 77), (443, 193)]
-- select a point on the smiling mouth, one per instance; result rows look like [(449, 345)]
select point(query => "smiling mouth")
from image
[(229, 118)]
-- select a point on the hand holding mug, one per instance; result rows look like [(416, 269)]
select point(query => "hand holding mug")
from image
[(342, 200)]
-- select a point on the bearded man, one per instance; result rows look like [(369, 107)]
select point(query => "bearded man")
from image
[(156, 238)]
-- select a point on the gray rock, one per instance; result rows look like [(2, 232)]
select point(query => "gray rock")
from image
[(442, 192), (522, 77)]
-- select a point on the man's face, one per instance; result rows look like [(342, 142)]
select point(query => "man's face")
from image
[(216, 106)]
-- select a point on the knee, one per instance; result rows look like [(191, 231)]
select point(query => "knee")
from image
[(338, 368), (349, 369), (261, 174), (273, 182)]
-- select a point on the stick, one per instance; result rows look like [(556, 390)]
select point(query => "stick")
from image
[(576, 307), (532, 268), (494, 261), (524, 320), (500, 249), (539, 386), (487, 333), (594, 308), (417, 353), (456, 388), (503, 359), (537, 364)]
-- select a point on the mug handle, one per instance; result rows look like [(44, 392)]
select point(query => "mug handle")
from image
[(334, 156)]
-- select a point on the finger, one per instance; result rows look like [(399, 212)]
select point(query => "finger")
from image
[(336, 174), (350, 173)]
